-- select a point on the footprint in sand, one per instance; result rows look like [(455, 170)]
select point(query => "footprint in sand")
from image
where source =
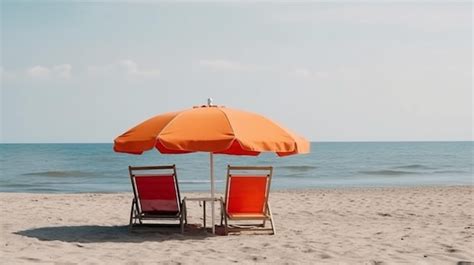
[(30, 259), (289, 246), (258, 259), (384, 214), (325, 256), (247, 249), (451, 250)]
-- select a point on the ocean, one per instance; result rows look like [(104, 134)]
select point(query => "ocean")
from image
[(75, 168)]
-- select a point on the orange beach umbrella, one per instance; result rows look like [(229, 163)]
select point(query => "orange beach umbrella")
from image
[(213, 129)]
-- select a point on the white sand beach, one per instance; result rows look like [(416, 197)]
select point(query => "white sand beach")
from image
[(426, 225)]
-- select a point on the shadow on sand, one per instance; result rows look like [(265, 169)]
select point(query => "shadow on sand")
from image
[(98, 234)]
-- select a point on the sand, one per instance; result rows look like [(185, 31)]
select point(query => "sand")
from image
[(425, 225)]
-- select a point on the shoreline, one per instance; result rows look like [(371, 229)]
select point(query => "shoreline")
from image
[(271, 191), (430, 225)]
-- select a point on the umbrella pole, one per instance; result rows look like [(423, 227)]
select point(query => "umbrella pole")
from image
[(211, 157)]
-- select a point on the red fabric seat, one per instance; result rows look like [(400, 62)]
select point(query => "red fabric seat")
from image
[(247, 195), (157, 195)]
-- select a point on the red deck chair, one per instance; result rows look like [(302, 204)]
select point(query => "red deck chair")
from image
[(246, 198), (156, 195)]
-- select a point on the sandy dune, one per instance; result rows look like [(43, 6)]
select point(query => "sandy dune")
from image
[(429, 225)]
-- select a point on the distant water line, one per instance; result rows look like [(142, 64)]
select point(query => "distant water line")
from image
[(70, 168)]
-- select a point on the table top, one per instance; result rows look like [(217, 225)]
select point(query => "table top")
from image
[(200, 199)]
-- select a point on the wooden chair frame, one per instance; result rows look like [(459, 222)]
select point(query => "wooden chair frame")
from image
[(137, 216), (225, 217)]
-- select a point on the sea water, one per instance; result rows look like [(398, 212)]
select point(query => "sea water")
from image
[(66, 168)]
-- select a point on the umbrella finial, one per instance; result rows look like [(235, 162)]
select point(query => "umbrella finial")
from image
[(209, 102)]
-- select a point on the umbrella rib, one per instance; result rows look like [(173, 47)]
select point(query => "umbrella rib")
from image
[(228, 121), (286, 131), (169, 123), (281, 128)]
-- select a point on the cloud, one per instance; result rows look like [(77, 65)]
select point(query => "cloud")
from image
[(300, 72), (229, 66), (39, 72), (62, 71), (234, 66), (307, 73), (126, 68), (131, 68)]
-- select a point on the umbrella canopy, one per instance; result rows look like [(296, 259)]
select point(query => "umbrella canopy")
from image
[(215, 129)]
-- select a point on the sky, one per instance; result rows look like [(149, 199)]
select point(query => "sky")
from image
[(342, 71)]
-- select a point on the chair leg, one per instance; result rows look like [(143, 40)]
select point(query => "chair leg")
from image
[(137, 214), (273, 225), (183, 218), (226, 226), (267, 212), (224, 218), (271, 219), (185, 211), (132, 210), (204, 215)]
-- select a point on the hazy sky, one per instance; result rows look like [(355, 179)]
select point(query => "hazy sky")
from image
[(85, 72)]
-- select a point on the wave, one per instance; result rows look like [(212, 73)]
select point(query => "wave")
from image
[(297, 175), (450, 171), (387, 172), (413, 166), (72, 173), (299, 168), (14, 185)]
